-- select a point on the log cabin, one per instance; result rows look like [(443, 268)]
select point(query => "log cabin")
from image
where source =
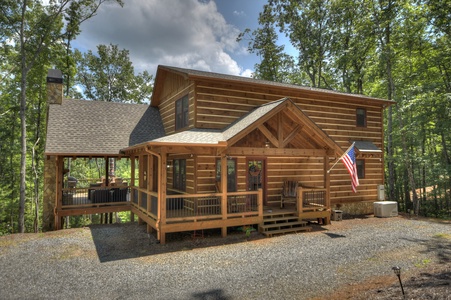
[(218, 151)]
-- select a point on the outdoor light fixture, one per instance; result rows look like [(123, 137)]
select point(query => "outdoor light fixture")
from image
[(397, 271)]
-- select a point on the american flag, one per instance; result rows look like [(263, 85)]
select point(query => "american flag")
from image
[(350, 164)]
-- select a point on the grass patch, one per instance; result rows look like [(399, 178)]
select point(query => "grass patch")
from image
[(423, 263), (446, 236)]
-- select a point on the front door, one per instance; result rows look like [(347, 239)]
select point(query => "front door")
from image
[(256, 175)]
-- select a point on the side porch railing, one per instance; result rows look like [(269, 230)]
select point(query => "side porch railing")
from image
[(93, 196)]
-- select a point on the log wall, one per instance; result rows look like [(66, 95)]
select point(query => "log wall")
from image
[(334, 113), (174, 88), (216, 104)]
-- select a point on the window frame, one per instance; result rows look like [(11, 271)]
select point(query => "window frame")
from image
[(229, 176), (179, 174), (182, 112), (358, 117), (360, 164)]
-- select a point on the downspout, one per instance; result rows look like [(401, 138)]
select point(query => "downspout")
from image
[(147, 150)]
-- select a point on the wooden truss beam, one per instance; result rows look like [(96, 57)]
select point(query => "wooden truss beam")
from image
[(275, 152)]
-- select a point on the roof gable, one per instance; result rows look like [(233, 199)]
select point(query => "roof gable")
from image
[(312, 135)]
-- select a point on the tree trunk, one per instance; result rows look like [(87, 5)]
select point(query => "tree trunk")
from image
[(409, 168), (23, 124), (34, 165)]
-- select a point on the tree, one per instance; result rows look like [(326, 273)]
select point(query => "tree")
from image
[(353, 43), (308, 25), (109, 76), (275, 65), (33, 28)]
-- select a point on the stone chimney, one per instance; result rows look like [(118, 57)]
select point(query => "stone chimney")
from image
[(54, 87)]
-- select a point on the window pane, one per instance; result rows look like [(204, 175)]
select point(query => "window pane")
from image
[(183, 174), (179, 174), (181, 112), (360, 168), (185, 109), (176, 174), (361, 117), (231, 174)]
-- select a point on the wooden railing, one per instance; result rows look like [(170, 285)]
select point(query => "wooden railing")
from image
[(312, 199), (193, 207), (76, 197)]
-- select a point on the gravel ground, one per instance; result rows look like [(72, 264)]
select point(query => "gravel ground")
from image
[(121, 261)]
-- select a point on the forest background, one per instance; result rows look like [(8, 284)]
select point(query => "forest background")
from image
[(396, 50)]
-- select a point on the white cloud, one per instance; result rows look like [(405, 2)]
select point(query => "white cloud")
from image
[(183, 33), (247, 73), (239, 13)]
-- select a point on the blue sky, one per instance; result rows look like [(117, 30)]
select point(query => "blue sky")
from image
[(197, 34)]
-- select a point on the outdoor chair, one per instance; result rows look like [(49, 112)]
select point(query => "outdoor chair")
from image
[(289, 193), (100, 196), (119, 195)]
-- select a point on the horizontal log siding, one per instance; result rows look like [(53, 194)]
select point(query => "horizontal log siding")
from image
[(167, 103), (217, 105), (307, 171), (367, 191)]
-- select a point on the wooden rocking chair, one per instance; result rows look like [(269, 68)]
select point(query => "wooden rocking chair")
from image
[(289, 193)]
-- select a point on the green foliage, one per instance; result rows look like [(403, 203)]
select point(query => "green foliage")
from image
[(397, 50), (109, 76), (31, 39)]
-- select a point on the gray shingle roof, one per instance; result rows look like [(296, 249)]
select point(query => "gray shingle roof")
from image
[(242, 79), (214, 136), (96, 128)]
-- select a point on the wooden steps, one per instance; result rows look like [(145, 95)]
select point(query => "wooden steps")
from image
[(282, 223)]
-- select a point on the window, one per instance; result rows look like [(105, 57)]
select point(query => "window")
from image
[(231, 174), (360, 168), (179, 174), (181, 113), (361, 117)]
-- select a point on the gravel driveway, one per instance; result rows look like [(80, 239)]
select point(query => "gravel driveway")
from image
[(121, 261)]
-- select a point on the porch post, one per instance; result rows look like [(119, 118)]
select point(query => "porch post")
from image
[(327, 180), (260, 205), (107, 175), (132, 185), (58, 190), (299, 201), (142, 169), (162, 197), (224, 192), (150, 167), (327, 186)]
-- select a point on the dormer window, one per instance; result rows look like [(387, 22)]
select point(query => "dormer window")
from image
[(361, 117), (181, 113)]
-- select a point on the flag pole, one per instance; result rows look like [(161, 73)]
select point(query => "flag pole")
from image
[(341, 157)]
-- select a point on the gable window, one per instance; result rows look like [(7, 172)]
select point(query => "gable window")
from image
[(360, 168), (181, 113), (231, 174), (179, 174), (361, 117)]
